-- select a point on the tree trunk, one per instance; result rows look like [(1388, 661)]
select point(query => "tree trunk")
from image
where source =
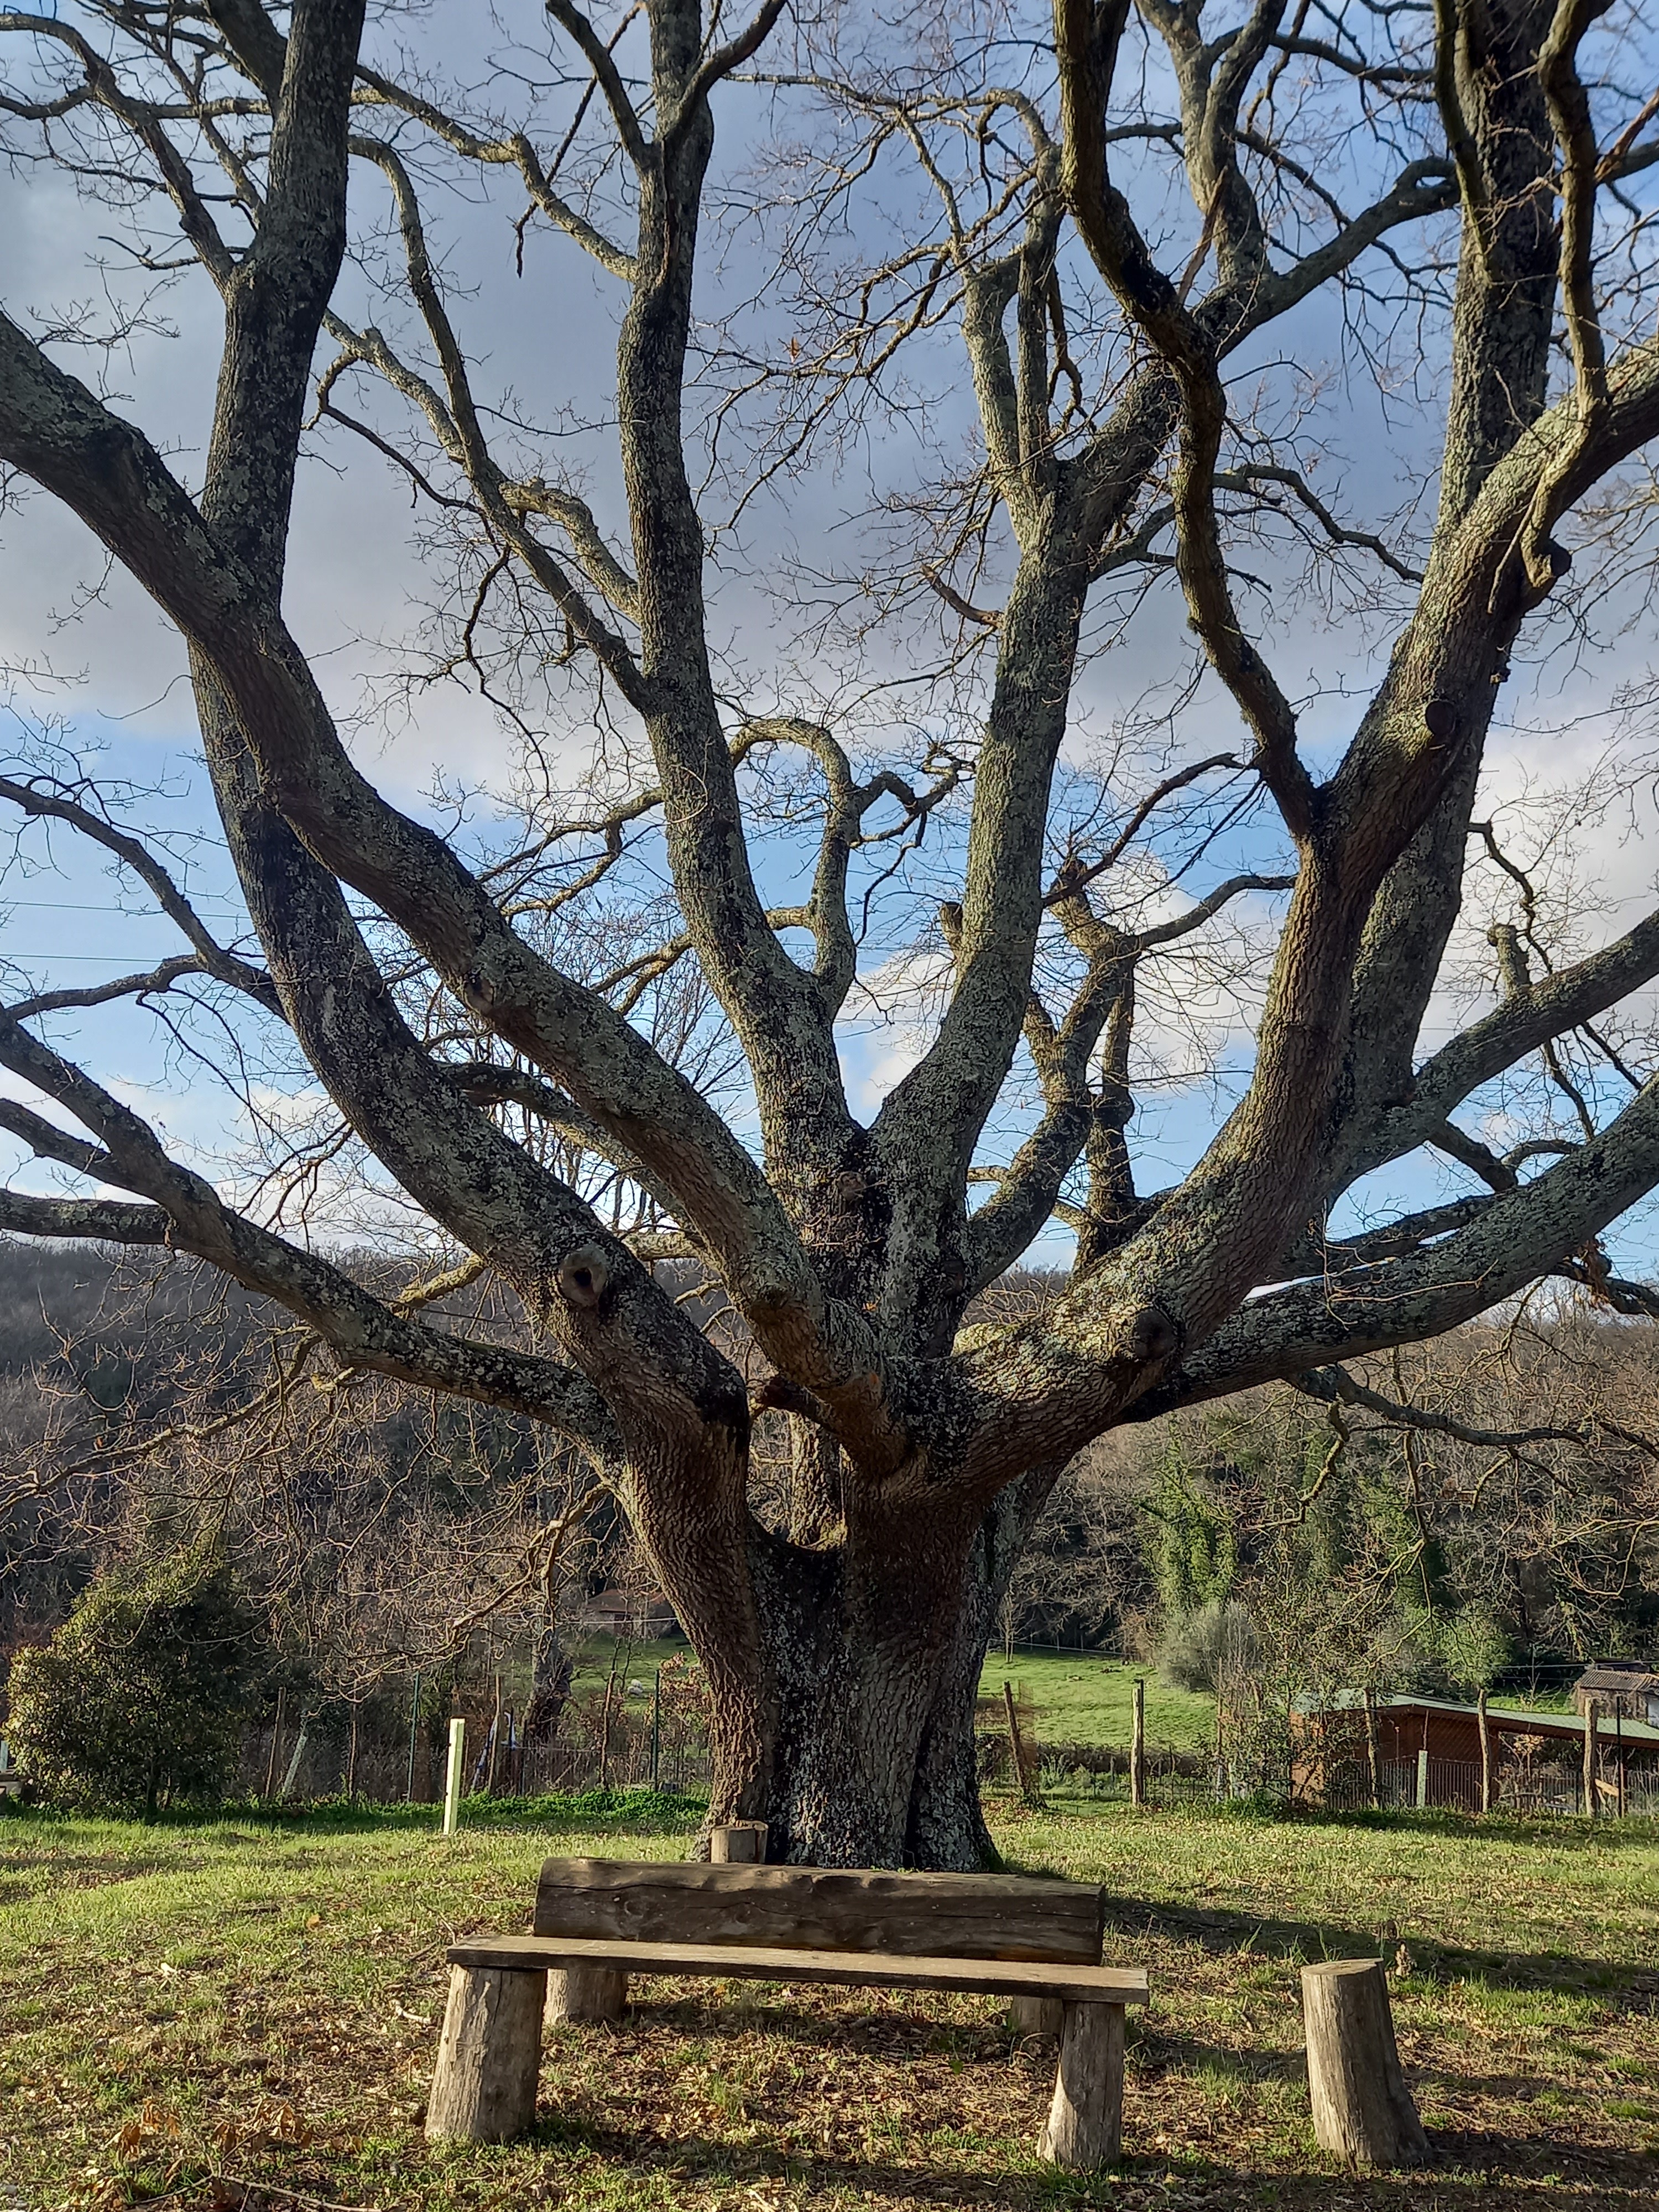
[(853, 1686), (872, 1652), (550, 1669)]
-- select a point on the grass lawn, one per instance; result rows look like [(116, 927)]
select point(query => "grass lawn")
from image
[(1081, 1698), (592, 1659), (244, 2014)]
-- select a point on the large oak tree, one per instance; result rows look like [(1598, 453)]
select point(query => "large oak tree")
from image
[(1106, 217)]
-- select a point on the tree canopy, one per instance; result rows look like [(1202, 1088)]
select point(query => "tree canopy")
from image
[(140, 1699)]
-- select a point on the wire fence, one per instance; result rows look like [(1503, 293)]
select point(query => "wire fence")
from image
[(1099, 1775), (637, 1736), (618, 1744)]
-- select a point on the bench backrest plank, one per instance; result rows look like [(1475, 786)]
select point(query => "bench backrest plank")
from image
[(951, 1916)]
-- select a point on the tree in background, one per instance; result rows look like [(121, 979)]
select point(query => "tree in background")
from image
[(1124, 232), (140, 1700), (1485, 1511)]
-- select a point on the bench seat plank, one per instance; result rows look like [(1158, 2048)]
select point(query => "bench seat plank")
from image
[(1114, 1985)]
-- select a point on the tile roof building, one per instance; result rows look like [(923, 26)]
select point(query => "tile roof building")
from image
[(1629, 1686)]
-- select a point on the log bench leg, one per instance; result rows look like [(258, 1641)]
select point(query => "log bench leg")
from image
[(1362, 2109), (483, 2087), (586, 1993), (1085, 2121), (1043, 2016)]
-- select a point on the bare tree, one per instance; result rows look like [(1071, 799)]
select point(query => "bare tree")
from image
[(1109, 215)]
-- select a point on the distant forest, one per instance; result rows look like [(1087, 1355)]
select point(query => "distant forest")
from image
[(1482, 1510)]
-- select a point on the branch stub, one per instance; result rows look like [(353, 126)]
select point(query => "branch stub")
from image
[(1153, 1335), (583, 1277)]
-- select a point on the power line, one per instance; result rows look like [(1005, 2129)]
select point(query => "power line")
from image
[(122, 913)]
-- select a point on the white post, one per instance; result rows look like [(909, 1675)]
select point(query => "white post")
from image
[(452, 1777), (1422, 1778)]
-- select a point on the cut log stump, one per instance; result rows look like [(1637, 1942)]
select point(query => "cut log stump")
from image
[(1043, 2016), (1085, 2121), (742, 1842), (586, 1993), (1362, 2109), (483, 2087)]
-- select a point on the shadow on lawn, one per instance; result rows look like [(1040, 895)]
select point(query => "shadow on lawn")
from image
[(1159, 2051), (633, 1811), (1471, 2171), (1220, 1931), (1443, 1821)]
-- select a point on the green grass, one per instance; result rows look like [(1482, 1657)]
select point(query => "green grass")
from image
[(1081, 1698), (242, 2014), (636, 1662), (1078, 1697)]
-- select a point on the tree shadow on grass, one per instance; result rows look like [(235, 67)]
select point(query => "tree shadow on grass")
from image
[(1637, 1833), (1158, 2051), (1470, 2171), (74, 1870), (1222, 1931)]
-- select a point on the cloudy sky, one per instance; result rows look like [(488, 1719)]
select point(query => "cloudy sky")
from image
[(97, 677)]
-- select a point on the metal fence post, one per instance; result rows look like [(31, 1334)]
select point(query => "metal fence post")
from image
[(1422, 1777)]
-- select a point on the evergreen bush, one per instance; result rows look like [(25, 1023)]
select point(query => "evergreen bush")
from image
[(139, 1700)]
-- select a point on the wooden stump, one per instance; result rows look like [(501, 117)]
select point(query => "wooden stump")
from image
[(1362, 2109), (741, 1844), (586, 1993), (1043, 2016), (1085, 2121), (483, 2087)]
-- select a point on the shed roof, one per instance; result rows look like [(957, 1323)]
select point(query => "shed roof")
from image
[(1621, 1675), (1510, 1719)]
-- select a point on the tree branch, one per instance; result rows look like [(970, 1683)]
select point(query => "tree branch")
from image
[(54, 805), (187, 1214)]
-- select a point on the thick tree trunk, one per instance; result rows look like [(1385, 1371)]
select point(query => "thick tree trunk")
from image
[(856, 1653), (871, 1653), (946, 1827)]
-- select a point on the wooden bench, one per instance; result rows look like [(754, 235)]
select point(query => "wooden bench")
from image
[(1034, 1941)]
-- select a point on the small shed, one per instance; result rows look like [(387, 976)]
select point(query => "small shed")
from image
[(1426, 1751), (635, 1615), (1629, 1686)]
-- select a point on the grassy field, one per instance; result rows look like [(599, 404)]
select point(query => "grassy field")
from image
[(635, 1662), (243, 2015), (1079, 1698)]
